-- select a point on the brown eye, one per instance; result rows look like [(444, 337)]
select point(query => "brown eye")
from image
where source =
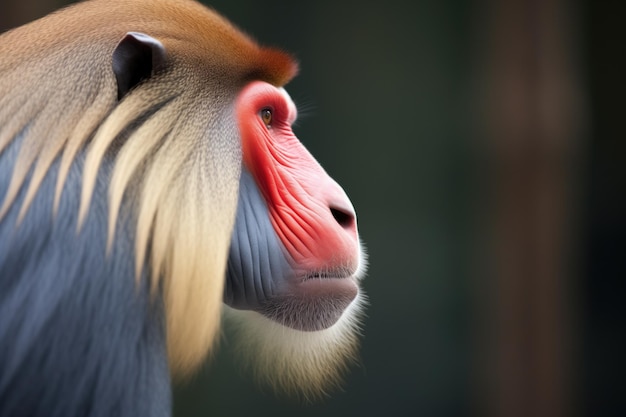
[(266, 116)]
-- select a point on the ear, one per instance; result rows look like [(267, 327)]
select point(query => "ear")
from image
[(136, 58)]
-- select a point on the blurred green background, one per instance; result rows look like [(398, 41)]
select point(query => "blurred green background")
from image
[(482, 146)]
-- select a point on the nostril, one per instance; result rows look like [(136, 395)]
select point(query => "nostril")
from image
[(345, 219)]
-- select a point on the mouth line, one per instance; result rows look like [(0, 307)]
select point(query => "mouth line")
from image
[(327, 275)]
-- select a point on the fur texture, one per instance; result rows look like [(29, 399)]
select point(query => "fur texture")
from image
[(58, 96)]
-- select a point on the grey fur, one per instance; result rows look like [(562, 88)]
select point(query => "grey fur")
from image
[(257, 263), (78, 337)]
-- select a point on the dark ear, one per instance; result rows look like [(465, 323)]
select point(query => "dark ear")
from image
[(135, 59)]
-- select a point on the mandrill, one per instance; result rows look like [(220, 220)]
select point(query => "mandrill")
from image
[(148, 174)]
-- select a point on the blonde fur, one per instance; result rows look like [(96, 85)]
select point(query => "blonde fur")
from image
[(173, 140), (305, 364)]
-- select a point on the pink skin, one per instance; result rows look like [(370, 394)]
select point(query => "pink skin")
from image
[(301, 197)]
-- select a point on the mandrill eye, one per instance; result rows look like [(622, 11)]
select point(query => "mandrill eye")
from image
[(266, 116)]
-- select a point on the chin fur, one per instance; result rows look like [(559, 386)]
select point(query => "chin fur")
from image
[(302, 363), (306, 364)]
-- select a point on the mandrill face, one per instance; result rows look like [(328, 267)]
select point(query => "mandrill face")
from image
[(295, 255)]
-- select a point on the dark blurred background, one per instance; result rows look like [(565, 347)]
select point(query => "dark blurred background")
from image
[(482, 144)]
